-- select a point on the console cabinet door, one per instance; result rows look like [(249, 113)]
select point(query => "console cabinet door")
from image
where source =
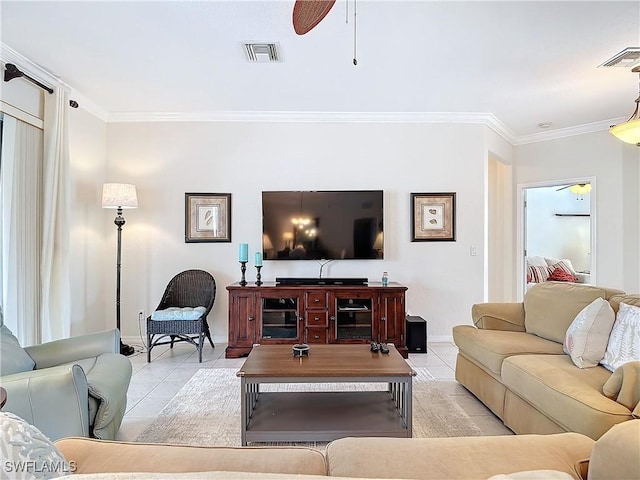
[(279, 317), (392, 318), (352, 316), (242, 309)]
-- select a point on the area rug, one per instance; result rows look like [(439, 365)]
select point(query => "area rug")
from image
[(206, 411)]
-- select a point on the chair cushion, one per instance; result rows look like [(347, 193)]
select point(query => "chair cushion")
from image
[(14, 357), (179, 313)]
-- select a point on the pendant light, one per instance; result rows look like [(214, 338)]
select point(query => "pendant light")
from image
[(629, 131)]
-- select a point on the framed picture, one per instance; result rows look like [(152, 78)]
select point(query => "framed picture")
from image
[(207, 217), (433, 217)]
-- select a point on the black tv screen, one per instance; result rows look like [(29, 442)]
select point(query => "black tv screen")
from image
[(316, 225)]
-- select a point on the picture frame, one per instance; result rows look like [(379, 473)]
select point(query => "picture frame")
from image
[(207, 217), (433, 217)]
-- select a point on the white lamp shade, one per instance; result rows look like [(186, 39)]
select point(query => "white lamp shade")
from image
[(119, 195), (628, 132)]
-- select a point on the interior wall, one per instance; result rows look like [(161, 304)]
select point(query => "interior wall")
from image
[(165, 160), (90, 253), (602, 156), (499, 271), (554, 236)]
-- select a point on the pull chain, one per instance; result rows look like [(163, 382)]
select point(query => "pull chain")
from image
[(355, 36)]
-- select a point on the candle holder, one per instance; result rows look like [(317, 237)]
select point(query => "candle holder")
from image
[(243, 269), (258, 277)]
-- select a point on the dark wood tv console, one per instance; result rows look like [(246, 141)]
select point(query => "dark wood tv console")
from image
[(340, 314)]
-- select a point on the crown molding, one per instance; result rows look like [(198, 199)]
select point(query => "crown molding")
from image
[(9, 55), (291, 116), (568, 131)]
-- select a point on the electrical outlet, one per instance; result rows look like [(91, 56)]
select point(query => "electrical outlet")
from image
[(141, 315)]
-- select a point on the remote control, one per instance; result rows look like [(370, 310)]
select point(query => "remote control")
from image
[(384, 348), (375, 347)]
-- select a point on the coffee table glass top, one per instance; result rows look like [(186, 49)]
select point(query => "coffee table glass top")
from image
[(324, 361)]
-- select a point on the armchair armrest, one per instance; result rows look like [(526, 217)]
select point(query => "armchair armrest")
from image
[(499, 316), (71, 349), (56, 400)]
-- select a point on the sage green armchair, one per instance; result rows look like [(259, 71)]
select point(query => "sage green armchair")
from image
[(78, 386)]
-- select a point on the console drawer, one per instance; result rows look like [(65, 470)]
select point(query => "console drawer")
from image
[(316, 335), (316, 300), (316, 318)]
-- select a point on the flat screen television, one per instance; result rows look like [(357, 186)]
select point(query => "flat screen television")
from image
[(316, 225)]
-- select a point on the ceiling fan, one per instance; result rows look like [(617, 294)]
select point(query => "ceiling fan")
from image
[(580, 189), (309, 13)]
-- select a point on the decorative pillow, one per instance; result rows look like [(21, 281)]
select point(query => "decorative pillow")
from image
[(624, 341), (14, 358), (561, 275), (27, 453), (177, 313), (552, 262), (587, 336), (538, 274)]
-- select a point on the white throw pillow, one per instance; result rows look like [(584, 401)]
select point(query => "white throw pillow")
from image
[(624, 342), (587, 336), (27, 453)]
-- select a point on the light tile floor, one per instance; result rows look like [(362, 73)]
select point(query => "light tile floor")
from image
[(154, 384)]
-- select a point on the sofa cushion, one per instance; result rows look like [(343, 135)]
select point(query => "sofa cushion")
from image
[(616, 300), (463, 457), (95, 456), (550, 307), (490, 347), (624, 342), (587, 336), (570, 396), (14, 357)]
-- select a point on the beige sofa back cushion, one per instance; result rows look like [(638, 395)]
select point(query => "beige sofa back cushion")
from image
[(550, 307), (95, 456), (628, 299), (616, 455)]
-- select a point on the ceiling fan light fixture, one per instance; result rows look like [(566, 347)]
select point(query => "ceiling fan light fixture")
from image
[(629, 131), (580, 188)]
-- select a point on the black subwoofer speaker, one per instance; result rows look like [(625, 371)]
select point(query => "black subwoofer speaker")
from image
[(416, 334)]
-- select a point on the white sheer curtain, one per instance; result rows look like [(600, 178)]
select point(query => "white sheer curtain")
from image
[(21, 235), (54, 267)]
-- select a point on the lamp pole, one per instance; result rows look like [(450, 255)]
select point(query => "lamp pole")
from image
[(119, 221)]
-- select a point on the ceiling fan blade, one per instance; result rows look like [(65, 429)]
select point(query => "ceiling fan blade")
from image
[(562, 188), (309, 13)]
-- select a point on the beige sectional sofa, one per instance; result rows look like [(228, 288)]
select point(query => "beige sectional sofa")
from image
[(512, 360), (615, 456)]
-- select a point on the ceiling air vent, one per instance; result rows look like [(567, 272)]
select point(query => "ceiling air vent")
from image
[(262, 52), (627, 58)]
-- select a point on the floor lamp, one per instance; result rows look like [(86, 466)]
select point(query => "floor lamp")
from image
[(119, 196)]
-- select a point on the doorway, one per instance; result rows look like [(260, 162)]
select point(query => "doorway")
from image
[(557, 222)]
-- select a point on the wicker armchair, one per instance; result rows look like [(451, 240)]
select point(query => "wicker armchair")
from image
[(191, 288)]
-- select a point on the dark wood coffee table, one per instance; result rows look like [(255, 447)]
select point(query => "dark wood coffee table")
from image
[(299, 416)]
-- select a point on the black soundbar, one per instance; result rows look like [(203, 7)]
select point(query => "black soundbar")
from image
[(320, 281)]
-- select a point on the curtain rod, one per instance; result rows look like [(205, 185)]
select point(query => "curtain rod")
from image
[(11, 72)]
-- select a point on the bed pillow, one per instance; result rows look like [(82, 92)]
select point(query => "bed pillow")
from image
[(588, 335), (14, 357), (561, 275), (554, 262), (624, 341), (538, 274)]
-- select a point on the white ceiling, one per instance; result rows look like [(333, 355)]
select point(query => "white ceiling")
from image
[(523, 62)]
